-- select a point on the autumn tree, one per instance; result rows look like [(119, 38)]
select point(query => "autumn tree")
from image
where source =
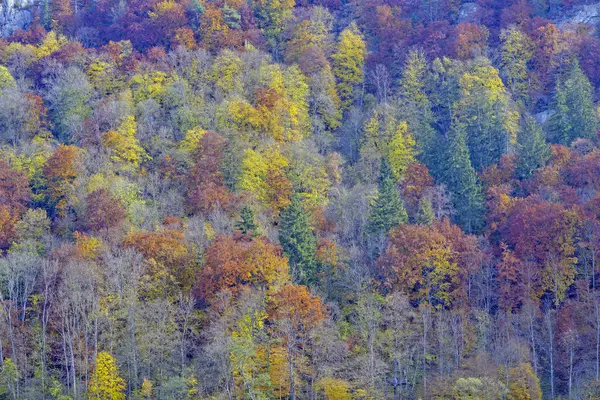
[(206, 182), (60, 171), (294, 313), (105, 382), (103, 211), (348, 63), (233, 263), (516, 54)]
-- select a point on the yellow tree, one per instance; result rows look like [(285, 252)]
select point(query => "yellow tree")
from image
[(348, 63), (105, 382), (124, 145)]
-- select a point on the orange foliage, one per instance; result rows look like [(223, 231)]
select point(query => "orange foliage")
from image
[(206, 185), (232, 263), (60, 172)]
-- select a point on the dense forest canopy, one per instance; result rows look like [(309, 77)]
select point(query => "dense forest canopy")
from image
[(311, 199)]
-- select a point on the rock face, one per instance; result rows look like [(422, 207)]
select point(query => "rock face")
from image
[(467, 12), (585, 14), (14, 14)]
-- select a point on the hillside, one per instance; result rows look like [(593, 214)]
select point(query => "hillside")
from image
[(299, 199)]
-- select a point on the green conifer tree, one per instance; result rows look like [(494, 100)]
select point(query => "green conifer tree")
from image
[(532, 150), (298, 240), (461, 180), (425, 215), (247, 224), (387, 210), (574, 113)]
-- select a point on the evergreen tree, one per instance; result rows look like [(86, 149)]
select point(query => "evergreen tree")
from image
[(387, 210), (425, 215), (247, 224), (416, 107), (574, 112), (9, 379), (461, 180), (298, 240), (532, 150), (105, 382)]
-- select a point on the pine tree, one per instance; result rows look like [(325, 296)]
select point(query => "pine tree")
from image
[(425, 215), (574, 113), (387, 210), (298, 240), (417, 107), (532, 150), (105, 382), (247, 224), (461, 180)]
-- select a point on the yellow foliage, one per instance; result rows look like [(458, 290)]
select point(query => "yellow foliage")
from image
[(150, 85), (192, 139), (51, 43), (124, 145), (348, 62), (87, 247), (335, 389), (257, 167), (105, 382)]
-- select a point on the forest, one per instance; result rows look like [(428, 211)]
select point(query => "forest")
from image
[(300, 199)]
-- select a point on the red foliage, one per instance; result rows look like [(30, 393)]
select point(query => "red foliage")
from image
[(103, 211), (206, 185), (234, 262)]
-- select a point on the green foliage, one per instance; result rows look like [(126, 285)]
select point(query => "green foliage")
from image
[(387, 210), (298, 240), (462, 181), (247, 224), (532, 151), (574, 115), (6, 79)]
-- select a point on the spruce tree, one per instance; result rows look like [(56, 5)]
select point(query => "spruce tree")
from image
[(574, 112), (461, 180), (298, 240), (387, 210), (425, 215), (247, 224), (532, 150)]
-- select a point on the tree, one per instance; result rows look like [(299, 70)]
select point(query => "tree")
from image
[(60, 171), (348, 63), (69, 97), (417, 106), (233, 263), (532, 150), (294, 313), (247, 224), (461, 179), (425, 214), (485, 113), (273, 16), (103, 211), (517, 53), (9, 380), (574, 113), (524, 384), (298, 240), (105, 382), (387, 210), (6, 79)]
